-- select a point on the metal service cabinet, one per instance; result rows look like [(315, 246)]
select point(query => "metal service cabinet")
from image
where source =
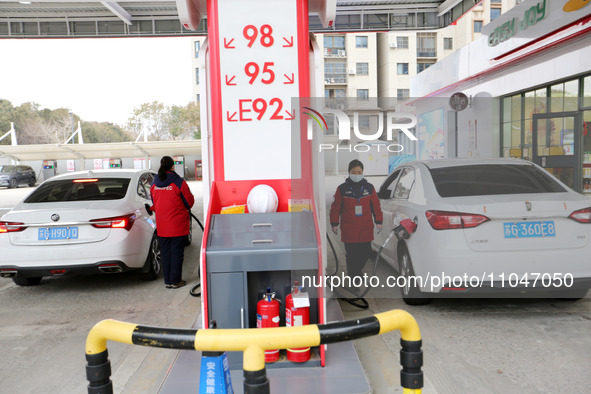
[(246, 253)]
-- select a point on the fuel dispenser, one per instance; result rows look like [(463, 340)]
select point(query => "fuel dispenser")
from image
[(115, 163), (49, 169), (179, 165), (255, 71), (198, 170)]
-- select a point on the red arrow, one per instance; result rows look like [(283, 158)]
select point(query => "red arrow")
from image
[(290, 80), (291, 117), (289, 42), (229, 81), (231, 118), (227, 44)]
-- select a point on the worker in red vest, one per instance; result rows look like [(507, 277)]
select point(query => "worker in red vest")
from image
[(358, 206), (172, 201)]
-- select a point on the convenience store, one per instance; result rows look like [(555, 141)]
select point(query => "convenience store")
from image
[(528, 84)]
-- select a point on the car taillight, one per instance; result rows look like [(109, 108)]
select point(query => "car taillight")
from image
[(582, 215), (443, 220), (115, 222), (9, 227)]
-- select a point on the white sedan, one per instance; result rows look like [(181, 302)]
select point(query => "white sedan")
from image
[(81, 222), (485, 226)]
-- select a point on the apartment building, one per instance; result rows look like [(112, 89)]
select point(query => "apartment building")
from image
[(196, 44), (404, 54)]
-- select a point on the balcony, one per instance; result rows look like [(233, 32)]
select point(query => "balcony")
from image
[(335, 52)]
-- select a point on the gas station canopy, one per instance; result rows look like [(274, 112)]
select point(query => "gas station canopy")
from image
[(147, 18), (98, 151)]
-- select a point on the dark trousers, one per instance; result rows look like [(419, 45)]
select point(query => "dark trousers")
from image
[(357, 255), (173, 252)]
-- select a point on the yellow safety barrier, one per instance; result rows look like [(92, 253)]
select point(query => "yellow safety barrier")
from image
[(253, 342)]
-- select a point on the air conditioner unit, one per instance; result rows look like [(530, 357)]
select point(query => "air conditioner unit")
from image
[(341, 52), (394, 45), (352, 71)]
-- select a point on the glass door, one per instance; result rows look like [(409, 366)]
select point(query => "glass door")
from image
[(557, 147), (586, 152)]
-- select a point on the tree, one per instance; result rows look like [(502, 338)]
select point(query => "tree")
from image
[(150, 118), (183, 122), (165, 123), (94, 132)]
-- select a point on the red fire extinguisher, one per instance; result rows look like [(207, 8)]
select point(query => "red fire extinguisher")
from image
[(297, 316), (268, 316)]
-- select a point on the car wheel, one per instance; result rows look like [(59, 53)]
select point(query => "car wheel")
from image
[(411, 293), (32, 182), (30, 281), (13, 183), (570, 294), (153, 266)]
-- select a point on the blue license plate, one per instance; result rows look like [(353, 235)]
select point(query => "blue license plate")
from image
[(50, 233), (529, 229)]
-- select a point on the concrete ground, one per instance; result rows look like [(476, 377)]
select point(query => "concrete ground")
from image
[(475, 346)]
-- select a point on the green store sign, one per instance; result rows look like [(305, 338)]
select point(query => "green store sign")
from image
[(531, 16)]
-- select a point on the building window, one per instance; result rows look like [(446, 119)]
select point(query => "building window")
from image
[(402, 68), (363, 122), (496, 1), (426, 44), (402, 94), (448, 43), (334, 45), (494, 13), (335, 93), (197, 47), (335, 72), (402, 42), (197, 76), (361, 42), (423, 66), (477, 26), (362, 69), (363, 94), (197, 99)]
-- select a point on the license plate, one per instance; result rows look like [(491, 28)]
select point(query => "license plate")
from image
[(50, 233), (529, 229)]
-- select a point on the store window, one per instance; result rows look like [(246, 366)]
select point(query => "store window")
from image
[(361, 42), (402, 42), (402, 68), (362, 68), (587, 92)]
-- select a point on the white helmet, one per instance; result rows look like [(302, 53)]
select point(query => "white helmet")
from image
[(262, 199)]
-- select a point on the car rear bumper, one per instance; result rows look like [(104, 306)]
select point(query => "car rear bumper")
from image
[(107, 267), (445, 266)]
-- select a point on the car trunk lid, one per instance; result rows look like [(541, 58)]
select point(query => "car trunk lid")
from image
[(525, 222)]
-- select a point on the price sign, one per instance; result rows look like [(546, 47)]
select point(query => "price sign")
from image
[(259, 78)]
